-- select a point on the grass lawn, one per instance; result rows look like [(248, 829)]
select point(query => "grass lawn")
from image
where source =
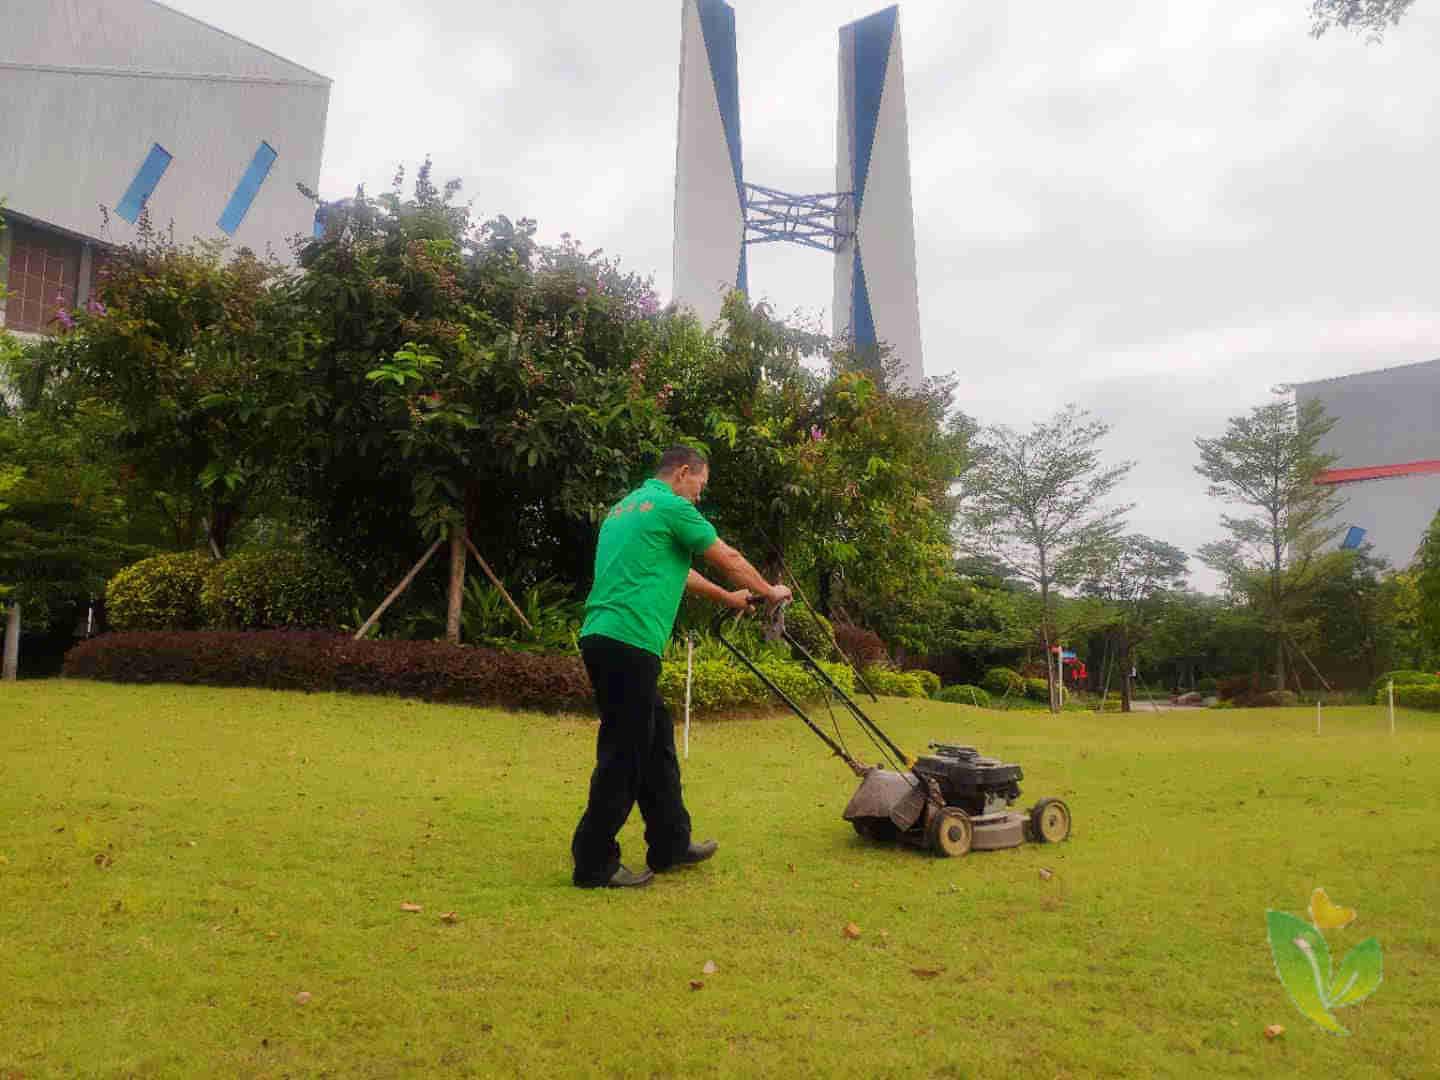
[(177, 864)]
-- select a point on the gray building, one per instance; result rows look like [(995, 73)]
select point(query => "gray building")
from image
[(1387, 437), (130, 106)]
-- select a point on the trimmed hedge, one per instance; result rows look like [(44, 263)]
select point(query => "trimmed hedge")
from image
[(720, 684), (314, 660), (1412, 695), (159, 593), (895, 683), (1001, 681), (1402, 678), (265, 590), (965, 694), (431, 670), (928, 679), (811, 630), (1037, 690)]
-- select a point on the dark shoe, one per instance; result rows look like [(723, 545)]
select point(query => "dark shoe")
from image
[(697, 853), (624, 879)]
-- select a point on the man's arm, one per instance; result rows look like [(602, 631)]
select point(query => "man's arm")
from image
[(699, 585), (738, 569)]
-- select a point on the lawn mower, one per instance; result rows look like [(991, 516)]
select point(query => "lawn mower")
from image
[(950, 801)]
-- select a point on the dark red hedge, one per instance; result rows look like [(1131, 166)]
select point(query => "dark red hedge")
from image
[(311, 660)]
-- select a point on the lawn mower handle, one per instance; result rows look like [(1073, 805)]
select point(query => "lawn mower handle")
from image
[(825, 680), (718, 628)]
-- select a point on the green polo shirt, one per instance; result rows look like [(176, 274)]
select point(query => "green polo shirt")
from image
[(641, 562)]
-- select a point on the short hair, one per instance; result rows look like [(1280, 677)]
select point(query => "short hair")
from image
[(677, 456)]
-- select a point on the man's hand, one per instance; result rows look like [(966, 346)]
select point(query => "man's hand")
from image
[(777, 595), (739, 600)]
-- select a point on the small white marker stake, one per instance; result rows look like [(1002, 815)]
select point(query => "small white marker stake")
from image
[(1392, 706), (689, 674)]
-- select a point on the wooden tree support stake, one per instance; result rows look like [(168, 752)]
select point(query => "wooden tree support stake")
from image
[(395, 593), (496, 582), (11, 667)]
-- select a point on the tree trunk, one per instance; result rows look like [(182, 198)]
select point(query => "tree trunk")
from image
[(822, 596), (1045, 635), (11, 669), (457, 583), (1127, 690)]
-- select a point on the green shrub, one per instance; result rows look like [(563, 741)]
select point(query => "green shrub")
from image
[(895, 683), (1037, 690), (812, 630), (1413, 696), (1402, 678), (282, 588), (160, 593), (965, 694), (1001, 681), (928, 679), (1207, 686), (723, 684)]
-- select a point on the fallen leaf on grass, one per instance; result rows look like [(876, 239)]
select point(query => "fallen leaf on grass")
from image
[(450, 918), (1274, 1031), (924, 973), (103, 860), (302, 997), (696, 984), (852, 931), (709, 968), (406, 905), (1046, 875)]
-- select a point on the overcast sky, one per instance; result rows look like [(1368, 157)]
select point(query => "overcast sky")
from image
[(1158, 211)]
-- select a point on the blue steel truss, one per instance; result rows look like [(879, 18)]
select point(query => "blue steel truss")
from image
[(819, 221)]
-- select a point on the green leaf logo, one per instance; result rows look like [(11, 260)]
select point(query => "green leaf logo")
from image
[(1302, 960)]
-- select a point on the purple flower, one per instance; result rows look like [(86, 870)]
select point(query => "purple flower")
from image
[(95, 307), (581, 293), (648, 304), (815, 433), (64, 318)]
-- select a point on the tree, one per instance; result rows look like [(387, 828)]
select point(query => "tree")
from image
[(176, 343), (1268, 461), (1134, 576), (1036, 503), (1428, 584), (1372, 17)]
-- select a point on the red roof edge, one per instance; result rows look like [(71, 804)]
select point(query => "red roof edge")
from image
[(1377, 472)]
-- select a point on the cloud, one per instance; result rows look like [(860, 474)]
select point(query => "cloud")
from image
[(1159, 210)]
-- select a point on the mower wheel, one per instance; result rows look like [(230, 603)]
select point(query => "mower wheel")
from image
[(1049, 821), (880, 831), (950, 833)]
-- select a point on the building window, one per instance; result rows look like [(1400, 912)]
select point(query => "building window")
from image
[(44, 268)]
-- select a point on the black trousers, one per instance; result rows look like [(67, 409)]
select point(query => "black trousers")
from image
[(635, 762)]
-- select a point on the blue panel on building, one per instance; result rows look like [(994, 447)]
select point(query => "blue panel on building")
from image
[(872, 56), (717, 23), (1353, 538), (245, 191), (140, 189), (862, 320)]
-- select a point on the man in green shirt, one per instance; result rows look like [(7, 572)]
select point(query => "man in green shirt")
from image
[(642, 568)]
